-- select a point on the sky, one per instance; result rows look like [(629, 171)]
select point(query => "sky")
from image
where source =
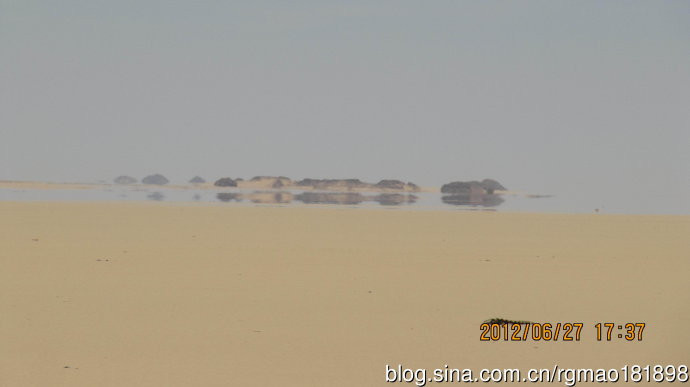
[(586, 99)]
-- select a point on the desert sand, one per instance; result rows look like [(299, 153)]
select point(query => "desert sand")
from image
[(156, 294)]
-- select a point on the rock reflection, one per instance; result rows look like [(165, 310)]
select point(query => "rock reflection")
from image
[(157, 196), (308, 197), (394, 199), (228, 196), (347, 198), (487, 200), (269, 197)]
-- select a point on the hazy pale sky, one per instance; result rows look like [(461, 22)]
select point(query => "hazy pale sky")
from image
[(580, 98)]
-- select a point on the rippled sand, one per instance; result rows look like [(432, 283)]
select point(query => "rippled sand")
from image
[(155, 294)]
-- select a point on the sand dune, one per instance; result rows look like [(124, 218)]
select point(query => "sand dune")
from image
[(154, 294)]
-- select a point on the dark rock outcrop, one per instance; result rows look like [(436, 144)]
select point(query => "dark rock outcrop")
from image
[(197, 180), (225, 182), (270, 181), (356, 185), (472, 193), (330, 184), (462, 187), (307, 182), (125, 180), (156, 179), (264, 178), (502, 321), (467, 187), (390, 184), (491, 185)]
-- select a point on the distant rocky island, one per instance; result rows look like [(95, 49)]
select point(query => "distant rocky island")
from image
[(225, 182), (486, 186), (125, 180), (471, 194), (474, 193), (156, 179), (484, 193), (341, 185)]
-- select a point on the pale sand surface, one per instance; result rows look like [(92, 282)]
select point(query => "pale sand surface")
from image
[(204, 295)]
